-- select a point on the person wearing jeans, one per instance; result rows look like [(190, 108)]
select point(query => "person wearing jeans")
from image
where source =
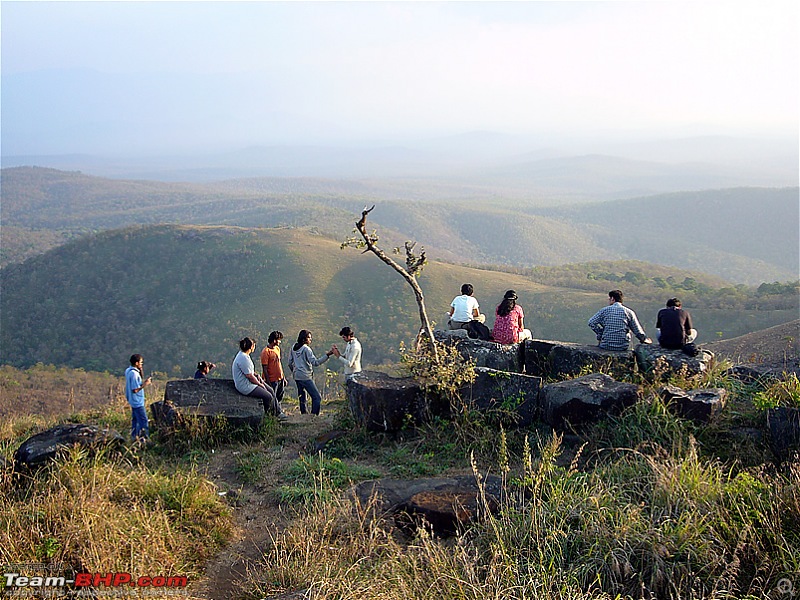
[(134, 392), (301, 363)]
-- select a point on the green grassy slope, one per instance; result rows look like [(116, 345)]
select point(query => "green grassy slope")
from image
[(179, 294)]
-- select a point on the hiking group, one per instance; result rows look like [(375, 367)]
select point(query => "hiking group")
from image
[(613, 325)]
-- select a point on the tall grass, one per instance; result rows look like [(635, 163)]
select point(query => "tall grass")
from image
[(657, 521)]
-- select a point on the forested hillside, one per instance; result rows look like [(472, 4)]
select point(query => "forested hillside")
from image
[(746, 235), (180, 294)]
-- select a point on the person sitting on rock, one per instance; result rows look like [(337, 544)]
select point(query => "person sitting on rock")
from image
[(464, 308), (509, 326), (674, 325), (250, 383), (614, 323)]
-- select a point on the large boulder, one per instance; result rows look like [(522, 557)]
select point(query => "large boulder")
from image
[(783, 424), (554, 359), (516, 394), (446, 504), (660, 362), (209, 399), (502, 357), (383, 403), (45, 446), (698, 405), (585, 399)]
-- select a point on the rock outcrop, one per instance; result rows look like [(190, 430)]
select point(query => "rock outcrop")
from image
[(446, 504), (209, 399), (584, 399), (45, 446), (784, 432), (660, 362), (561, 359), (383, 403), (501, 357), (516, 395), (698, 405)]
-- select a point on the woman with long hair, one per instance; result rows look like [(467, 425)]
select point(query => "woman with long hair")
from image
[(509, 323), (301, 363)]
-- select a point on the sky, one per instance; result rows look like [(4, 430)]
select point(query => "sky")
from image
[(110, 76)]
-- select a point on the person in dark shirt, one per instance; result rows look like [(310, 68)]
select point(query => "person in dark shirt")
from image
[(674, 326), (203, 369)]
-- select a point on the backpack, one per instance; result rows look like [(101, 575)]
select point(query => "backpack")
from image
[(691, 349), (478, 331)]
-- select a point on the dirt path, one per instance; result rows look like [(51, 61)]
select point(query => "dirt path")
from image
[(256, 512)]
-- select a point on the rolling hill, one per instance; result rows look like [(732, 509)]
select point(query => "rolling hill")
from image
[(746, 235), (179, 294)]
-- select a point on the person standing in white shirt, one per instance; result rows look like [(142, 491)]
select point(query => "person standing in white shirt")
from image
[(351, 358)]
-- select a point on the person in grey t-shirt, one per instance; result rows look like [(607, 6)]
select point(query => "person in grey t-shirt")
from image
[(301, 363)]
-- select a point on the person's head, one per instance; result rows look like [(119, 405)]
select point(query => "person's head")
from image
[(615, 296), (346, 333), (508, 303), (673, 302), (275, 337), (136, 360), (467, 289), (204, 366), (304, 337), (246, 344)]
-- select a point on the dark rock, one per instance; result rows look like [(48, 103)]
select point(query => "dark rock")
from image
[(515, 393), (324, 439), (784, 432), (561, 359), (208, 398), (502, 357), (585, 399), (383, 403), (698, 405), (748, 374), (655, 360), (46, 445), (446, 504)]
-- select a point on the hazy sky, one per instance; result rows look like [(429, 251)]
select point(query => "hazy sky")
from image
[(89, 76)]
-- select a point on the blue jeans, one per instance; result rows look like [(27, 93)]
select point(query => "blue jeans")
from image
[(307, 386), (140, 428)]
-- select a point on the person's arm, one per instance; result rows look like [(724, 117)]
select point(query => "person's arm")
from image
[(596, 324), (687, 324), (351, 355), (637, 328), (318, 361)]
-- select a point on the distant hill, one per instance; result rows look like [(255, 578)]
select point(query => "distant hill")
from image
[(180, 294), (747, 235)]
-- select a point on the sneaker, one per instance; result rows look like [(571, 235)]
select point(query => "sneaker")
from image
[(283, 417)]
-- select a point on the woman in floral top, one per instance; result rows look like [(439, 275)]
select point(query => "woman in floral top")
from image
[(509, 325)]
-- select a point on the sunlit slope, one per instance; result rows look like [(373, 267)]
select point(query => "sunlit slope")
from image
[(179, 294)]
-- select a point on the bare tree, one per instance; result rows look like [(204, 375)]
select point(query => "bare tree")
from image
[(414, 265)]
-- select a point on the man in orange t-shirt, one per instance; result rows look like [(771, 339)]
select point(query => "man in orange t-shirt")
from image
[(271, 367)]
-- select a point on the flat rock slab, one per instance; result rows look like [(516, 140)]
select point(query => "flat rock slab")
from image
[(516, 394), (698, 404), (653, 359), (45, 446), (585, 399), (547, 358), (445, 504), (208, 398), (501, 357), (784, 432), (383, 403)]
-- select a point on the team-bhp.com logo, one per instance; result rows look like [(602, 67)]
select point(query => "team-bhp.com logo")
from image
[(85, 580)]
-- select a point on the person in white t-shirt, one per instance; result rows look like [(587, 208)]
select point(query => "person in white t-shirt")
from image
[(464, 308)]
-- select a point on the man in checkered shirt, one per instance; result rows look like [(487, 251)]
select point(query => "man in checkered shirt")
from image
[(614, 324)]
